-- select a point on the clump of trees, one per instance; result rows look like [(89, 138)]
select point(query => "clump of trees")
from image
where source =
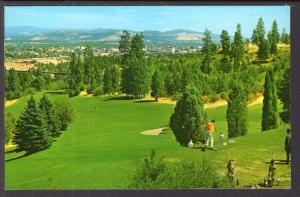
[(136, 76), (40, 123), (188, 119), (284, 95)]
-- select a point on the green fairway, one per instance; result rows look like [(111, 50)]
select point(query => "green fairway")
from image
[(100, 148)]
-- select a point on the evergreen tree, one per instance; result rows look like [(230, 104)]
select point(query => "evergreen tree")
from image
[(225, 64), (107, 81), (136, 74), (188, 120), (238, 50), (254, 38), (260, 31), (13, 85), (284, 94), (115, 73), (52, 121), (31, 130), (88, 66), (236, 114), (124, 46), (157, 85), (270, 116), (76, 75), (208, 51), (9, 126), (285, 38), (263, 50), (273, 37)]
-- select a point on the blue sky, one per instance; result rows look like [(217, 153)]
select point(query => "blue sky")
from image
[(139, 18)]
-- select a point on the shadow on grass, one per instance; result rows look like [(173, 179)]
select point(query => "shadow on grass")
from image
[(15, 158), (118, 98), (57, 92), (11, 151), (277, 162), (145, 101)]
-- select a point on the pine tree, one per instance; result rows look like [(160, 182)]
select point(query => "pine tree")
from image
[(285, 38), (238, 49), (124, 46), (263, 50), (76, 75), (31, 130), (13, 85), (260, 31), (52, 121), (115, 79), (225, 64), (136, 73), (107, 81), (9, 126), (273, 37), (157, 85), (270, 116), (236, 114), (208, 51), (284, 94), (188, 120), (254, 38), (88, 66)]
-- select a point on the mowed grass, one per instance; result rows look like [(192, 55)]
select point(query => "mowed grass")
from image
[(101, 147)]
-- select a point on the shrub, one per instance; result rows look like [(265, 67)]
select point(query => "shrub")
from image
[(64, 112), (98, 91), (9, 126), (74, 92), (90, 89), (154, 173)]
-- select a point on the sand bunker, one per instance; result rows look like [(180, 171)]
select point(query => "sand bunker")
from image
[(153, 131), (11, 102), (84, 93)]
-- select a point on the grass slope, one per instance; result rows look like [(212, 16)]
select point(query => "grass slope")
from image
[(101, 147)]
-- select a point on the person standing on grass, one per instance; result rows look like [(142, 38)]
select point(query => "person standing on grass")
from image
[(287, 144), (210, 128)]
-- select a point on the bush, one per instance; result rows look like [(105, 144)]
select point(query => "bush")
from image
[(74, 92), (153, 173), (224, 95), (90, 89), (213, 98), (98, 91), (64, 112), (176, 96), (9, 127), (13, 95), (30, 91)]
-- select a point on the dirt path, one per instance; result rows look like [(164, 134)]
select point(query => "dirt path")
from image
[(11, 102)]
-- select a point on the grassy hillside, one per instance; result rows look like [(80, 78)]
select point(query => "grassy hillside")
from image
[(101, 147)]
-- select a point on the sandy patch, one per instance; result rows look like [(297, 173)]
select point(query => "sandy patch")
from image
[(216, 104), (153, 131), (220, 103), (84, 93), (257, 101), (11, 102), (9, 146)]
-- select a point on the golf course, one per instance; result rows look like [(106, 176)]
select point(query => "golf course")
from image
[(100, 148)]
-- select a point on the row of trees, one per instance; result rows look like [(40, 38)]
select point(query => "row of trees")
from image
[(39, 124)]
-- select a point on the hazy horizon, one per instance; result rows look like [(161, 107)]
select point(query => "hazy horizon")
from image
[(148, 18)]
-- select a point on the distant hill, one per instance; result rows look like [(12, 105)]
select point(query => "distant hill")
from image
[(109, 36)]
